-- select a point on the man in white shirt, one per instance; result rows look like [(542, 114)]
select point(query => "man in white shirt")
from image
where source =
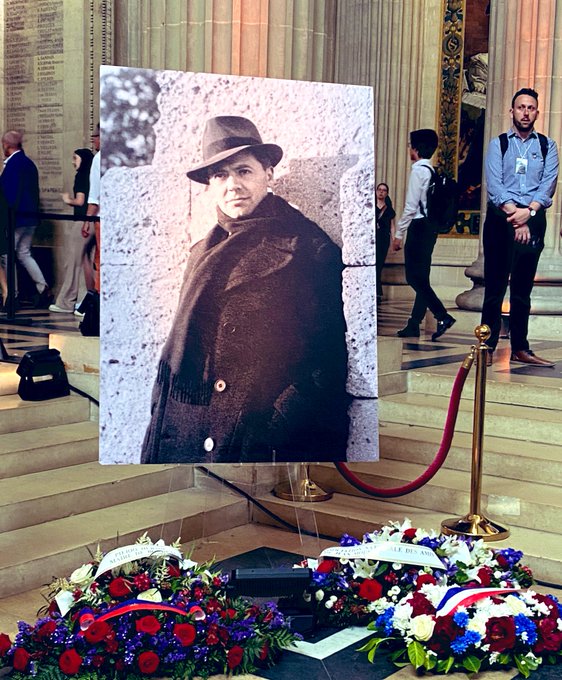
[(421, 238)]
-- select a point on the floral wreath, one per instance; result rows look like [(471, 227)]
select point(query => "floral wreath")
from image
[(143, 610), (472, 614)]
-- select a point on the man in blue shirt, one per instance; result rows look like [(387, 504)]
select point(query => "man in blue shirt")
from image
[(521, 174)]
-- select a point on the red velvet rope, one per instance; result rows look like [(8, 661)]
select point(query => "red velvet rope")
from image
[(438, 461)]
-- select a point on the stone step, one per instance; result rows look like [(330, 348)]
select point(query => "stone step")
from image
[(32, 556), (54, 494), (500, 388), (504, 420), (516, 503), (541, 463), (356, 516), (17, 415), (9, 379), (48, 448)]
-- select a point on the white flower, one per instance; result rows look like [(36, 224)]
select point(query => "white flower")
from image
[(150, 595), (188, 564), (380, 605), (396, 566), (363, 569), (82, 575), (331, 602), (319, 595), (422, 627), (477, 624), (517, 606), (402, 617), (395, 590)]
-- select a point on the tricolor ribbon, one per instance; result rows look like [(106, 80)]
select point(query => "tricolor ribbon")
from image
[(464, 597), (86, 620)]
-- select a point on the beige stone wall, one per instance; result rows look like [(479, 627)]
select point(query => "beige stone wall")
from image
[(327, 170)]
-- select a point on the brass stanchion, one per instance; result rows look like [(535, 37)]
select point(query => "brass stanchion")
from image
[(303, 489), (475, 524)]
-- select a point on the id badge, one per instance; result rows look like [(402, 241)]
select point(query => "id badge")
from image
[(521, 166)]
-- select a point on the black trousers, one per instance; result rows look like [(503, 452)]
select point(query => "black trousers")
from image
[(382, 244), (420, 242), (505, 260)]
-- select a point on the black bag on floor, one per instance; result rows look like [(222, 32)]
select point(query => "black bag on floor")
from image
[(90, 307)]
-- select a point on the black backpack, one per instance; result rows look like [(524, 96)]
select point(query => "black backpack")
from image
[(442, 201), (543, 141)]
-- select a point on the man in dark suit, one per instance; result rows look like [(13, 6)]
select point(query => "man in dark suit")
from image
[(20, 182), (255, 365)]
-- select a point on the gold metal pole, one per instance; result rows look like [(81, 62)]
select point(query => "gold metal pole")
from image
[(475, 524), (303, 489)]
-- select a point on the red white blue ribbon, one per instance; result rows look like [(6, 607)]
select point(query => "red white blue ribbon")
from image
[(86, 617), (464, 597)]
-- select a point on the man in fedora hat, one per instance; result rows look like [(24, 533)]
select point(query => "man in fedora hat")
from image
[(255, 365)]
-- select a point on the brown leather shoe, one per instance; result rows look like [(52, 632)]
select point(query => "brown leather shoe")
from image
[(528, 357), (489, 357)]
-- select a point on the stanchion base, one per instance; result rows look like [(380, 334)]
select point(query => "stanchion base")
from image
[(303, 490), (475, 526)]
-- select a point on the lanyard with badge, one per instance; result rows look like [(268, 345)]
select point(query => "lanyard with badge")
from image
[(521, 162)]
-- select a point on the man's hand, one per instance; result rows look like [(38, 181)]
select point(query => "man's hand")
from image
[(522, 234), (86, 229), (396, 244), (519, 217)]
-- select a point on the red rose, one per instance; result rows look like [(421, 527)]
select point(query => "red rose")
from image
[(70, 662), (46, 629), (423, 579), (549, 637), (420, 604), (410, 534), (228, 614), (148, 624), (173, 571), (97, 660), (500, 559), (264, 653), (5, 644), (21, 657), (148, 662), (370, 590), (326, 566), (98, 631), (185, 633), (485, 576), (111, 646), (234, 656), (445, 631), (500, 633), (119, 587)]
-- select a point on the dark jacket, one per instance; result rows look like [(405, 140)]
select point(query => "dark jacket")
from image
[(255, 365), (20, 181)]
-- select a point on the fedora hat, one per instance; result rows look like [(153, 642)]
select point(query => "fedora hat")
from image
[(225, 136)]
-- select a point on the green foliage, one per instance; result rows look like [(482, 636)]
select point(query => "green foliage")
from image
[(417, 655), (471, 664)]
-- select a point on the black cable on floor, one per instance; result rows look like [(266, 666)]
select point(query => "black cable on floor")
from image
[(262, 507), (84, 394)]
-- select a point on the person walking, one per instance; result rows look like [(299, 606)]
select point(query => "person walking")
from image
[(421, 238)]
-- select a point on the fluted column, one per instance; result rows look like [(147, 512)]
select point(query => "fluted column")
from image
[(392, 45), (526, 51), (275, 38)]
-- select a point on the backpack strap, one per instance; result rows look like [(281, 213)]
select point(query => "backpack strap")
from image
[(504, 143), (433, 173), (543, 141)]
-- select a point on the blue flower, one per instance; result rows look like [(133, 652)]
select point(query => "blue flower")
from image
[(462, 643), (461, 619), (384, 621), (346, 539), (525, 629)]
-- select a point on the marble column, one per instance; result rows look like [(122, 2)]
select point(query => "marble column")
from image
[(526, 51), (275, 38)]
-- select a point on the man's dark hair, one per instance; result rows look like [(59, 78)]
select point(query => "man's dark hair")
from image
[(527, 91), (425, 141)]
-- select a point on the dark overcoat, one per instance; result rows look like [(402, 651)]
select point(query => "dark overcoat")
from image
[(20, 182), (255, 365)]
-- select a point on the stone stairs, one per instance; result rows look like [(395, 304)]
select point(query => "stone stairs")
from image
[(57, 503), (522, 464)]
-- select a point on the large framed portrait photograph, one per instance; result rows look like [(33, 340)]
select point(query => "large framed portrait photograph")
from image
[(238, 319)]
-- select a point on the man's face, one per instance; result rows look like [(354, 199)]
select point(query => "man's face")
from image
[(239, 184), (524, 112), (6, 149)]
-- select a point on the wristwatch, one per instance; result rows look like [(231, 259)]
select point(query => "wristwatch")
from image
[(532, 212)]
